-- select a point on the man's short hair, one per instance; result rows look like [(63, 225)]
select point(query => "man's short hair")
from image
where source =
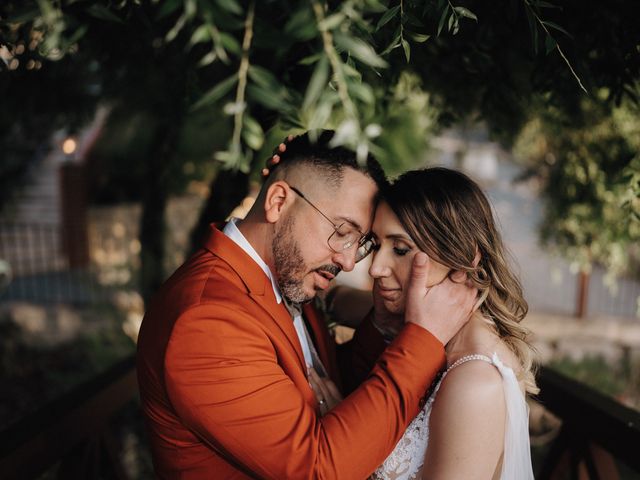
[(329, 161)]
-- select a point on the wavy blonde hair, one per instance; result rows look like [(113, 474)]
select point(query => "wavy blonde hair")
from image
[(448, 217)]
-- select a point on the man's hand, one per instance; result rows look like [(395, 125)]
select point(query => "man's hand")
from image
[(442, 309), (327, 394)]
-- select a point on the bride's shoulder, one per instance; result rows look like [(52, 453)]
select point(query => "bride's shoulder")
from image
[(474, 380), (470, 399)]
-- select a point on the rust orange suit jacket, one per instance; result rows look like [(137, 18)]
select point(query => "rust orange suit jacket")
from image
[(224, 388)]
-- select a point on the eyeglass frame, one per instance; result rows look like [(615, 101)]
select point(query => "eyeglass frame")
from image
[(364, 237)]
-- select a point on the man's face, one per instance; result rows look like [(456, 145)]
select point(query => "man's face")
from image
[(304, 263)]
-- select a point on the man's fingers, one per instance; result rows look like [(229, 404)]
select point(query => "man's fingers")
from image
[(420, 267), (318, 385), (333, 390)]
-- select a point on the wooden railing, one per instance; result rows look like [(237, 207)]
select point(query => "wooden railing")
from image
[(75, 430), (596, 430)]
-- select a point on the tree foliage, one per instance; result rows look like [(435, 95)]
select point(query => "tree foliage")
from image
[(384, 74), (590, 167)]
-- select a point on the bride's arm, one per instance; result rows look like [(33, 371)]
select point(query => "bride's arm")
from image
[(467, 424)]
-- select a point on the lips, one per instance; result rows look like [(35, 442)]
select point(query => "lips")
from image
[(321, 281), (387, 293), (328, 275)]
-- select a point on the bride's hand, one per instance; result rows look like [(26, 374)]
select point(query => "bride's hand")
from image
[(326, 392), (442, 309)]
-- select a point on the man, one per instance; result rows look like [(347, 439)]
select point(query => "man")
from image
[(223, 350)]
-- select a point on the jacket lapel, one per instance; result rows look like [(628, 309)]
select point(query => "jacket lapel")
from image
[(257, 283)]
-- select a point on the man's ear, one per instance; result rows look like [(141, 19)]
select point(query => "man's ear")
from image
[(275, 201)]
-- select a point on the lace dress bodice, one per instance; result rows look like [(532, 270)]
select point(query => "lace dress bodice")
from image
[(407, 459)]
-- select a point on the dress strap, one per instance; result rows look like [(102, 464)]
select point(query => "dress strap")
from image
[(468, 358)]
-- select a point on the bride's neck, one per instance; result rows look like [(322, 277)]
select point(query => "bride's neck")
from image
[(474, 337)]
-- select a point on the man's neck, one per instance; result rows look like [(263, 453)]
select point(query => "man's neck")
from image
[(257, 234)]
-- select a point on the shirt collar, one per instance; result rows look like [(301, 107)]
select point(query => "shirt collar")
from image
[(232, 231)]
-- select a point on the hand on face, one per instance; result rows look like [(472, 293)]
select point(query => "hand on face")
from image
[(391, 267), (442, 309)]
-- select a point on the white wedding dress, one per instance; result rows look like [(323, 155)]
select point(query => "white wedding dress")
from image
[(407, 458)]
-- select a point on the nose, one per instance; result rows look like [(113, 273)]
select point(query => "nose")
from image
[(346, 259), (378, 269)]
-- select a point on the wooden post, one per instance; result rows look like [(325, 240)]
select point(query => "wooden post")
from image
[(582, 299), (75, 234)]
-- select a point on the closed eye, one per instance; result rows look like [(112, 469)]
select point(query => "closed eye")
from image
[(401, 252)]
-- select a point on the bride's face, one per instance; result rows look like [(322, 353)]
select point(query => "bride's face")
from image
[(392, 259)]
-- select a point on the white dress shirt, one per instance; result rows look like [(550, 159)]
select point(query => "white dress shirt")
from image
[(231, 230)]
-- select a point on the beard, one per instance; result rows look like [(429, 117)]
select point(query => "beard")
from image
[(288, 262), (290, 267)]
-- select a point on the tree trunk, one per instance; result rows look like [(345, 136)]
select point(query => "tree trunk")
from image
[(154, 203), (227, 190)]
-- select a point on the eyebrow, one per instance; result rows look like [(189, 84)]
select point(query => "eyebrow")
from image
[(349, 220), (399, 236)]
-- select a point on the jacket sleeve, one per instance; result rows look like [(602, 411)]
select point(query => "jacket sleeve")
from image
[(358, 356), (225, 383)]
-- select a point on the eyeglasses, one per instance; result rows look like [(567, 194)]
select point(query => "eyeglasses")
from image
[(344, 236)]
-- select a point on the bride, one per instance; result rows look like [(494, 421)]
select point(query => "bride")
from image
[(474, 423)]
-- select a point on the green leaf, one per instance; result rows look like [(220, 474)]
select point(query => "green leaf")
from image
[(103, 13), (217, 92), (350, 71), (173, 33), (233, 159), (302, 25), (320, 116), (311, 59), (419, 37), (395, 43), (374, 6), (389, 14), (78, 34), (360, 50), (452, 22), (333, 21), (208, 59), (266, 98), (190, 8), (252, 133), (317, 83), (407, 50), (231, 6), (201, 34), (542, 4), (443, 18), (555, 26), (230, 43), (263, 77), (167, 8), (465, 12), (363, 92)]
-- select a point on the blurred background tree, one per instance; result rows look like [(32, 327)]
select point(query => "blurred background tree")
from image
[(207, 88), (589, 162)]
